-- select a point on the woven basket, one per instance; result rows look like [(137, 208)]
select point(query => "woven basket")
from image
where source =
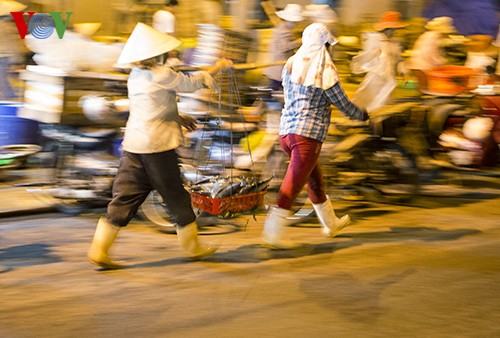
[(220, 206)]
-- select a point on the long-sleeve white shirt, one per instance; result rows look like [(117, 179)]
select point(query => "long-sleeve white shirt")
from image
[(153, 125)]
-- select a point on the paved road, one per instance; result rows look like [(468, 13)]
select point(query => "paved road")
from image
[(430, 270)]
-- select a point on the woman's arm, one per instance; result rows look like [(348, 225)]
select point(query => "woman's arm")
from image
[(178, 81), (339, 99)]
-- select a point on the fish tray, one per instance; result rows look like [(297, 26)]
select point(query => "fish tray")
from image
[(220, 206)]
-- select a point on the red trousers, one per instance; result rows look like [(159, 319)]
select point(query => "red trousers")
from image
[(303, 169)]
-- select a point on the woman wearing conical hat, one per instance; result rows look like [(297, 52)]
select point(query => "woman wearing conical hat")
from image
[(153, 132)]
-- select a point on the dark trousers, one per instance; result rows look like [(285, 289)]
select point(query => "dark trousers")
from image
[(137, 176)]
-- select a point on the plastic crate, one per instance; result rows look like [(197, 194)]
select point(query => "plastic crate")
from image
[(220, 206)]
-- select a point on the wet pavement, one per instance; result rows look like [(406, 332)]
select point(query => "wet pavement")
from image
[(431, 269)]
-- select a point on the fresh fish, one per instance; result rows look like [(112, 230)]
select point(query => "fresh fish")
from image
[(249, 186), (230, 190), (220, 184), (262, 185), (222, 187), (203, 189), (205, 180)]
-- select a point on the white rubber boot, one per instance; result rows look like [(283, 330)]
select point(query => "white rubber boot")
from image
[(104, 236), (188, 239), (330, 223), (274, 230)]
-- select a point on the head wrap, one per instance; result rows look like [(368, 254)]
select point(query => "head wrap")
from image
[(312, 65), (442, 24)]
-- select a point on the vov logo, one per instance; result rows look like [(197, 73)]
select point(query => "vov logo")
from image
[(41, 25)]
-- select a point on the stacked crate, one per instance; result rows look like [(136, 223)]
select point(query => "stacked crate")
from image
[(213, 43)]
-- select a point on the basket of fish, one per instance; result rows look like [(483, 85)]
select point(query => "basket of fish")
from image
[(222, 195)]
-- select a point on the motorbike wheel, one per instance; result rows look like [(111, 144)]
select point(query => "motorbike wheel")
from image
[(155, 210), (393, 173)]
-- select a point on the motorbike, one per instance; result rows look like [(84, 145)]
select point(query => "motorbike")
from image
[(457, 132), (360, 160), (86, 159), (83, 171), (367, 161)]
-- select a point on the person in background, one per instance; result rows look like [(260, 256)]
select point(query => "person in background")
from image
[(321, 13), (310, 86), (389, 23), (428, 50), (164, 21), (379, 59), (153, 132), (283, 44), (470, 17), (12, 49)]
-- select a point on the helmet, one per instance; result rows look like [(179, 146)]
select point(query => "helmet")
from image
[(478, 128)]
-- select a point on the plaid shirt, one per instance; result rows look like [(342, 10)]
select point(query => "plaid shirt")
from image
[(307, 110)]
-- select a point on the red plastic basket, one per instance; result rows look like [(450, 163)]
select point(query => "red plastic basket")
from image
[(220, 206)]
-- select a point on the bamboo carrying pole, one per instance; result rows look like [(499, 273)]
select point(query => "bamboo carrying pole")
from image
[(236, 66)]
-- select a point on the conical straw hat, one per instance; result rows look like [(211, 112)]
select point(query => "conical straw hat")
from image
[(146, 42)]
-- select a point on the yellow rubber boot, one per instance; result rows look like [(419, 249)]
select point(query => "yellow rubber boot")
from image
[(188, 239), (105, 234)]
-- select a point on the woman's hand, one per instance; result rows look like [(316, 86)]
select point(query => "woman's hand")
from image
[(219, 65), (188, 122), (223, 63)]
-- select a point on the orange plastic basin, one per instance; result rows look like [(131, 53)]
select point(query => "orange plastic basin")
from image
[(448, 79)]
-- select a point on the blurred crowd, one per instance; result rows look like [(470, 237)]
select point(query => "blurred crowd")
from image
[(274, 27)]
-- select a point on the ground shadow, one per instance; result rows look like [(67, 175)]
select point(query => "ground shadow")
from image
[(26, 255), (436, 202), (161, 263), (255, 253), (353, 298), (395, 234)]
